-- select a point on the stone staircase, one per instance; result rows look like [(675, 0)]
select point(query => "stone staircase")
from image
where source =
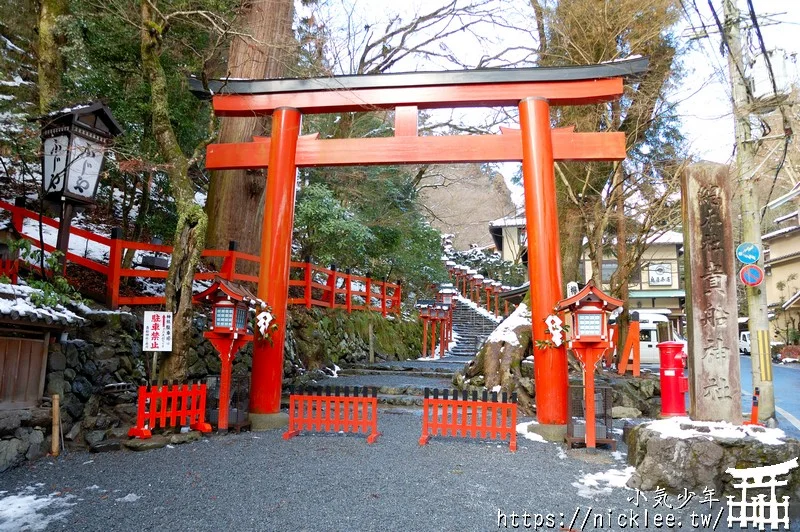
[(471, 328), (403, 383)]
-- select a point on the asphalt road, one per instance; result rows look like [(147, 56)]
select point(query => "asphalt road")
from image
[(786, 379)]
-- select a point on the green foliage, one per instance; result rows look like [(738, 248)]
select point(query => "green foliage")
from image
[(54, 291), (328, 232)]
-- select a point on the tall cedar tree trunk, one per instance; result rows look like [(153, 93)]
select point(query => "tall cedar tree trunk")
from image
[(191, 226), (235, 204), (51, 63)]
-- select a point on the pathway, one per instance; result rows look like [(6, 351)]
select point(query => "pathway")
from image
[(404, 382)]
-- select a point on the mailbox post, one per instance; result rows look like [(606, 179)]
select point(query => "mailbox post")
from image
[(673, 382), (586, 314)]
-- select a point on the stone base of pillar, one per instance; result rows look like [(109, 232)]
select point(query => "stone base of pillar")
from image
[(555, 433), (260, 422)]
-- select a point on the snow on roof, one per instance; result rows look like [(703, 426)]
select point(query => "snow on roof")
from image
[(789, 216), (15, 303), (684, 428), (508, 222), (791, 301), (667, 237), (780, 232)]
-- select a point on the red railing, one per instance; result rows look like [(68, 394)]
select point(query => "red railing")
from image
[(323, 287), (316, 286), (469, 418), (321, 411), (170, 406)]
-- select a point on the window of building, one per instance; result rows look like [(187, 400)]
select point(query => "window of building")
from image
[(609, 267)]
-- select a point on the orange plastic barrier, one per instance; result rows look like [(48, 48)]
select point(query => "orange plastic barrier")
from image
[(170, 406), (469, 418), (320, 410), (631, 348)]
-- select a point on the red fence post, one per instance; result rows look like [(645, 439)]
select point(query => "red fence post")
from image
[(348, 290), (114, 267), (383, 296), (17, 217), (368, 290), (398, 298), (229, 262), (307, 271), (331, 295), (424, 337)]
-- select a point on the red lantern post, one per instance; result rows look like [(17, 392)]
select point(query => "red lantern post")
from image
[(228, 332), (588, 336)]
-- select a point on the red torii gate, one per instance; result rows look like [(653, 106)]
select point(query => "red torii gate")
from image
[(535, 144)]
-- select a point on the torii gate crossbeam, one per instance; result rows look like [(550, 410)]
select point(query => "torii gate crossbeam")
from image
[(535, 144)]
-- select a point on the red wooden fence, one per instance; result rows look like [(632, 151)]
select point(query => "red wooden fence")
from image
[(311, 410), (170, 406), (469, 418), (317, 287)]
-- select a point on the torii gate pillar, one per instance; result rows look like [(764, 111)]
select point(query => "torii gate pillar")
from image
[(544, 262), (273, 274)]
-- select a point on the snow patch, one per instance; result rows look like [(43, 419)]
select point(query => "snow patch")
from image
[(28, 511), (16, 82), (671, 428), (131, 497), (505, 332), (522, 428), (604, 482)]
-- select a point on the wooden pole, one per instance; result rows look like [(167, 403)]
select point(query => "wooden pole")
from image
[(55, 448), (371, 345)]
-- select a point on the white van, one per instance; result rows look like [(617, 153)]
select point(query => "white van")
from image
[(649, 340)]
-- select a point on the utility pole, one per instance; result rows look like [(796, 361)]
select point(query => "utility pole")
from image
[(746, 148)]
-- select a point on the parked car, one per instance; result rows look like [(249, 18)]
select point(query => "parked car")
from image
[(744, 343), (649, 339)]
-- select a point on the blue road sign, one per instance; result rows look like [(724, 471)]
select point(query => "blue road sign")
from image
[(748, 253), (751, 275)]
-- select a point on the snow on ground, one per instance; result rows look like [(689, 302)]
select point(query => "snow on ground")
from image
[(671, 427), (593, 484), (131, 497), (522, 428), (28, 511), (505, 332)]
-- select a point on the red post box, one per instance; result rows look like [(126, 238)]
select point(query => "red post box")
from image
[(673, 382)]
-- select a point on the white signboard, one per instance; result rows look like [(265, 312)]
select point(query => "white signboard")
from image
[(55, 163), (87, 158), (660, 275), (157, 331)]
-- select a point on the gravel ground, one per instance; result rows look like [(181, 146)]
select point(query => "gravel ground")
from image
[(257, 481)]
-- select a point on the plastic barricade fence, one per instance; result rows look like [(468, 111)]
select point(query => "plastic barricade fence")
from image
[(468, 417), (324, 410), (170, 406)]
